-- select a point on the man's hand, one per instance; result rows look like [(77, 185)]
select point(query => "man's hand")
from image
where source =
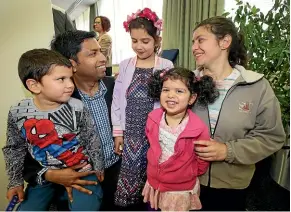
[(118, 145), (100, 176), (18, 190), (68, 177)]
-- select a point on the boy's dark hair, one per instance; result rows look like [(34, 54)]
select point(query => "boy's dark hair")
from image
[(203, 87), (69, 43), (105, 23), (36, 63), (220, 27)]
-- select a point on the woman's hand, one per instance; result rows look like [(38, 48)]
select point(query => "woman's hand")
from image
[(210, 150)]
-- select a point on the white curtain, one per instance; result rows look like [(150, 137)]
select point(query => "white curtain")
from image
[(117, 11), (82, 22)]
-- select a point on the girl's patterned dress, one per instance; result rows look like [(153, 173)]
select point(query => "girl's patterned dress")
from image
[(132, 175)]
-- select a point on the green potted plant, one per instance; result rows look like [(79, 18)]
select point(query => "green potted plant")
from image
[(267, 38)]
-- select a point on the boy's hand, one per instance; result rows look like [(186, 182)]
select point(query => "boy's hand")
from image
[(100, 176), (18, 190), (118, 145)]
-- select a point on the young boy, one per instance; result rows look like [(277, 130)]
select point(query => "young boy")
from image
[(54, 128)]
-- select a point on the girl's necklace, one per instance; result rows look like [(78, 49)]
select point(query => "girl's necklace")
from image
[(179, 122)]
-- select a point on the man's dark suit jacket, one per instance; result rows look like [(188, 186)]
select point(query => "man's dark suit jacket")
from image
[(31, 166)]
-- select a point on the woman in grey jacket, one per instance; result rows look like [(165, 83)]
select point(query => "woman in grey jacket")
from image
[(244, 122)]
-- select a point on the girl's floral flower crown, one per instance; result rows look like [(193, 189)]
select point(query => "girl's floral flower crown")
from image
[(145, 13)]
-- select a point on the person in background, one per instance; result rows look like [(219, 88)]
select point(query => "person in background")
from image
[(245, 121), (102, 26), (131, 105)]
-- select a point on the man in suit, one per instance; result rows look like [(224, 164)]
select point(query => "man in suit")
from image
[(95, 90)]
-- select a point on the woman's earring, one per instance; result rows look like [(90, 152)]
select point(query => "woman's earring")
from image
[(74, 69)]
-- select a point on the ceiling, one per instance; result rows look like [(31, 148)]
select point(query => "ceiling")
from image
[(73, 8)]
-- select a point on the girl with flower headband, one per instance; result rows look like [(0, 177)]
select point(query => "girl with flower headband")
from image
[(172, 130), (131, 105)]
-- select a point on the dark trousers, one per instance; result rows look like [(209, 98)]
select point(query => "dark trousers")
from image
[(136, 207), (108, 71), (109, 186), (39, 197), (213, 199)]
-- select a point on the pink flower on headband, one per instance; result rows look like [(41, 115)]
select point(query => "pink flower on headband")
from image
[(150, 15), (126, 26), (137, 12), (145, 13), (159, 24)]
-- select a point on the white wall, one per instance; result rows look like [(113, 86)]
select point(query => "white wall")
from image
[(24, 25)]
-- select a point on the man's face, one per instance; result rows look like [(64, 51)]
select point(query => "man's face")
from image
[(91, 62)]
